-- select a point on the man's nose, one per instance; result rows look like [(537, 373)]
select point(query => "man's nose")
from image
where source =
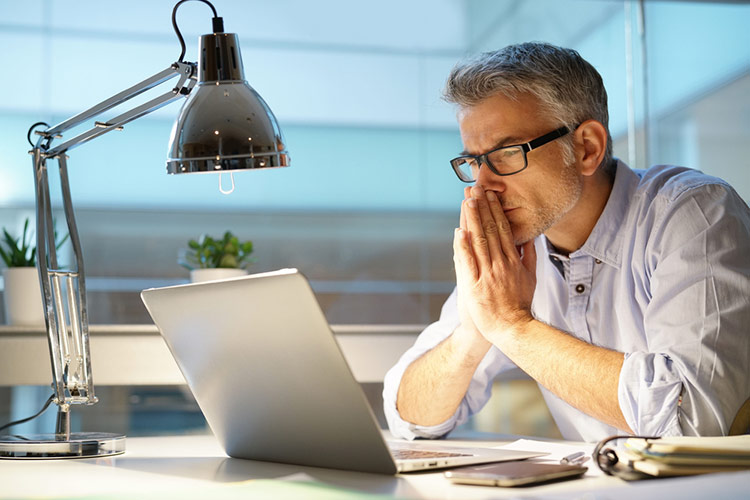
[(487, 179)]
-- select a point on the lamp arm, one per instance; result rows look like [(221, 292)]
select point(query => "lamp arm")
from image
[(187, 73), (64, 290)]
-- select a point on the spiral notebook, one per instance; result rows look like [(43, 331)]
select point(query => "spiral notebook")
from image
[(678, 456)]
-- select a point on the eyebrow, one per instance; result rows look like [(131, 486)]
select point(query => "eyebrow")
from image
[(505, 141)]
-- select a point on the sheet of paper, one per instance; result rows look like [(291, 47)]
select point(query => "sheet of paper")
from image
[(556, 451)]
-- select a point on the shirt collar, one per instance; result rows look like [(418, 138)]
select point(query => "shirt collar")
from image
[(605, 241)]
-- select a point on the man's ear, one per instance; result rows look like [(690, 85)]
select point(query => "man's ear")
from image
[(591, 139)]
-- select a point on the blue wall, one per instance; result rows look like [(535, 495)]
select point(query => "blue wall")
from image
[(356, 89)]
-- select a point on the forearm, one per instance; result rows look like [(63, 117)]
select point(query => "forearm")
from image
[(433, 386), (583, 375)]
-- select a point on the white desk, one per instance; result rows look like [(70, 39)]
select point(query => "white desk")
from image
[(188, 467), (193, 463)]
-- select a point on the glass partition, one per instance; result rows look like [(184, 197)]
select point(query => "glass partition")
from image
[(368, 208)]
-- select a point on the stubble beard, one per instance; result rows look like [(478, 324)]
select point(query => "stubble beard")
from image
[(568, 188)]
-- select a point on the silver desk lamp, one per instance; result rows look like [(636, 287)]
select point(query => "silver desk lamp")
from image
[(223, 126)]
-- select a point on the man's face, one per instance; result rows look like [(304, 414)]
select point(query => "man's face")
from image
[(534, 199)]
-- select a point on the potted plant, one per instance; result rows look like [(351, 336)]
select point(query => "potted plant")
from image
[(211, 259), (22, 295)]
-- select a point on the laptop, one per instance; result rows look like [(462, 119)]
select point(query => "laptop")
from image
[(273, 385)]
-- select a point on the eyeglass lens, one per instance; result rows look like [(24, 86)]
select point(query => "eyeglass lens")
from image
[(504, 161)]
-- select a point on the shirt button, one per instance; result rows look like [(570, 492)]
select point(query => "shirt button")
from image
[(580, 288), (597, 261)]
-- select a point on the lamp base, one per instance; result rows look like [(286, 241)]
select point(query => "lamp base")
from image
[(49, 446)]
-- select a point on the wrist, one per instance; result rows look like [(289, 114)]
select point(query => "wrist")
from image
[(522, 324), (510, 329), (469, 344)]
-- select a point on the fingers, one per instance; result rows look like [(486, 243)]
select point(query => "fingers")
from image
[(463, 257), (462, 224), (489, 222), (492, 239), (505, 235), (476, 234), (489, 233), (467, 195)]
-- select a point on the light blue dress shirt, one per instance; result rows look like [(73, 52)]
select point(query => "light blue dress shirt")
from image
[(664, 278)]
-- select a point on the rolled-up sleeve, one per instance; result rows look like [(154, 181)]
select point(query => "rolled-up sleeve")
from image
[(693, 377), (476, 396), (649, 391)]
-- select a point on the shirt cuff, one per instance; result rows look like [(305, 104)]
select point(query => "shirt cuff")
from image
[(649, 391), (399, 427)]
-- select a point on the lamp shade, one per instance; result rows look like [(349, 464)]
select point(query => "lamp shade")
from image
[(224, 124)]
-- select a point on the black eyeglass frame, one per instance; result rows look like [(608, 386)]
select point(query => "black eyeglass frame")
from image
[(525, 147)]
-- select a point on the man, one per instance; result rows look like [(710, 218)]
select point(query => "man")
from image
[(625, 294)]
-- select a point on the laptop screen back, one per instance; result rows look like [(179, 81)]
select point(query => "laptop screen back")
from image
[(266, 371)]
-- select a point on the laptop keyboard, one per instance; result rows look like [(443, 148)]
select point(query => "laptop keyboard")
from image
[(407, 454)]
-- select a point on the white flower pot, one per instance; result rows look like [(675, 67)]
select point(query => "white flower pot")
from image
[(22, 297), (214, 274)]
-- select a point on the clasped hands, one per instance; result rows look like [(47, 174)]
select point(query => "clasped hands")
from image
[(495, 279)]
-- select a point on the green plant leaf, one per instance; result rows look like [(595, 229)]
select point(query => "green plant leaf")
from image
[(208, 252), (16, 257), (228, 261), (6, 258), (25, 229), (22, 252), (61, 242), (12, 243)]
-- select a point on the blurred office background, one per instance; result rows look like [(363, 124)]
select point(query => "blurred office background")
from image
[(368, 207)]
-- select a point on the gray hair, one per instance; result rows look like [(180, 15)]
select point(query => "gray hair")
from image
[(566, 85)]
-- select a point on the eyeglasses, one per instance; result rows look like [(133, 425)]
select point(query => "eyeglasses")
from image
[(506, 160)]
